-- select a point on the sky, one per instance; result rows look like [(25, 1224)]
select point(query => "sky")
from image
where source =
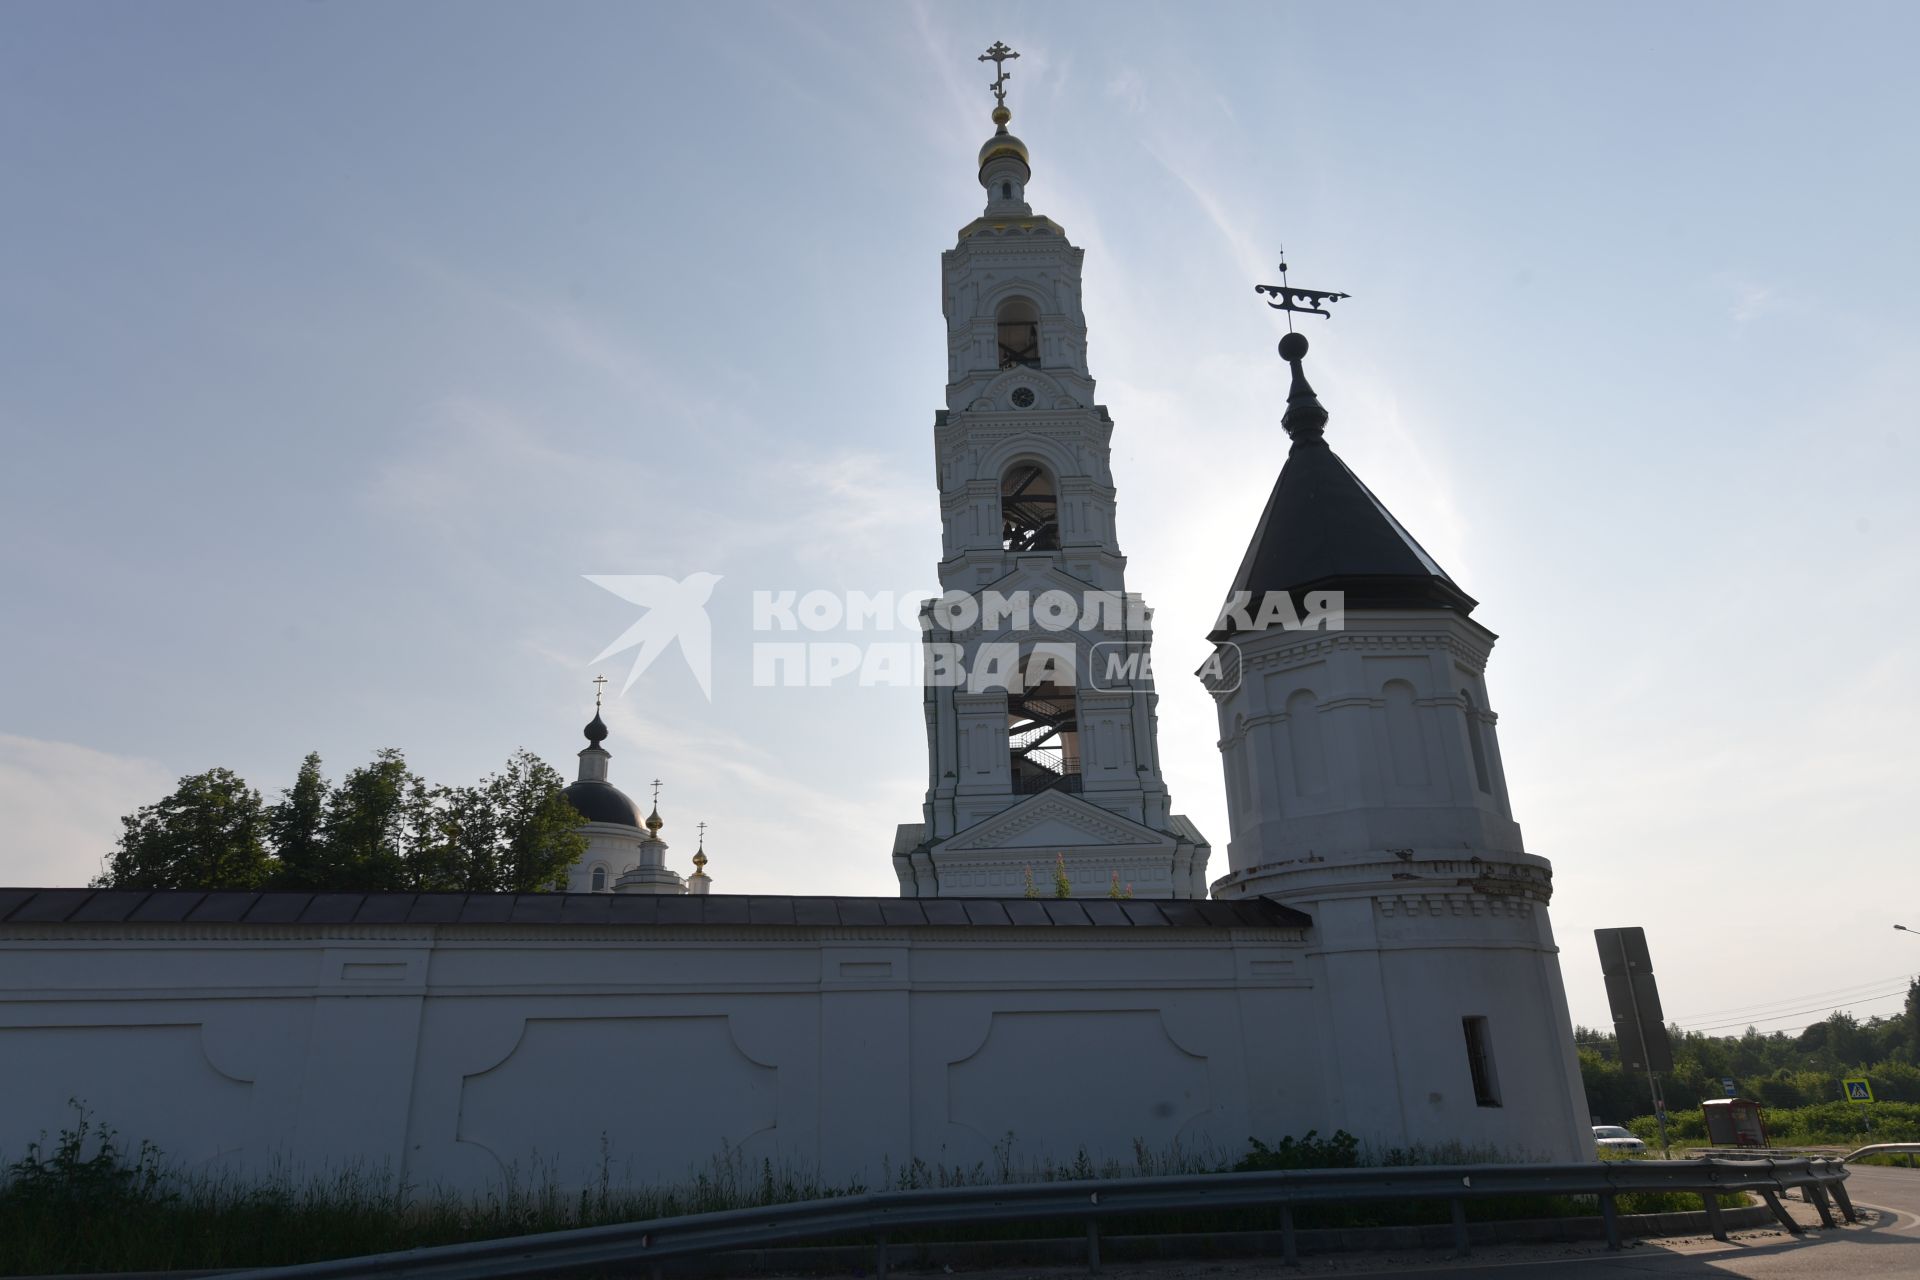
[(340, 343)]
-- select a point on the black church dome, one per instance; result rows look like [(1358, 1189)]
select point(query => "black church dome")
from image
[(603, 802)]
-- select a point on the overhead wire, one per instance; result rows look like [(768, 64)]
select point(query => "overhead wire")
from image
[(1765, 1005)]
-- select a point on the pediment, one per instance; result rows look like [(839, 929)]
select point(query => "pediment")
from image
[(1055, 820)]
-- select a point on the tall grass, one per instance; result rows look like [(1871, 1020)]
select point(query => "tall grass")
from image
[(89, 1202)]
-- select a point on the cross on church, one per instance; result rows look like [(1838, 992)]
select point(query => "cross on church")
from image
[(599, 687), (656, 793), (1284, 297), (998, 55)]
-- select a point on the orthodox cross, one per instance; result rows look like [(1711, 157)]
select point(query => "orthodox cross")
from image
[(703, 834), (1284, 297), (656, 793), (998, 56), (599, 683)]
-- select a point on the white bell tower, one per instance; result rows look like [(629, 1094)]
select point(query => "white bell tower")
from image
[(1039, 699)]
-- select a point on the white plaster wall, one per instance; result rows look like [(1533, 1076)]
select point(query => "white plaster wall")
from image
[(456, 1056)]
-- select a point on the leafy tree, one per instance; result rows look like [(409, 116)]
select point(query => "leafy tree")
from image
[(209, 834), (541, 829), (382, 828), (372, 827), (1911, 1021), (513, 832), (295, 826)]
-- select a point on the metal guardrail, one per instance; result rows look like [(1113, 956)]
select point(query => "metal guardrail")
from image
[(1884, 1149), (875, 1214)]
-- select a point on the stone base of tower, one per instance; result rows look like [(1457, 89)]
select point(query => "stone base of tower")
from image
[(1446, 1021), (1054, 830)]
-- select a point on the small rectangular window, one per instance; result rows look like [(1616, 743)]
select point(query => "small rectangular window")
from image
[(1486, 1085)]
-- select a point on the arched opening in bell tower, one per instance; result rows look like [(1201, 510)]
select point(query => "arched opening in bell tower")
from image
[(1029, 509), (1019, 325), (1043, 726)]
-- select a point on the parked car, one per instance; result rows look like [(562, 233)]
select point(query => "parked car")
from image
[(1611, 1137)]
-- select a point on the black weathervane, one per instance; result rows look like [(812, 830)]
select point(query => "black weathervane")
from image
[(1284, 297), (1305, 418)]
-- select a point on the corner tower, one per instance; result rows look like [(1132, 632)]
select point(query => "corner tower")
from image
[(1039, 700), (1365, 787)]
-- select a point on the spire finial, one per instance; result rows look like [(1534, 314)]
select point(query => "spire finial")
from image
[(654, 821), (596, 729), (999, 55), (1305, 418)]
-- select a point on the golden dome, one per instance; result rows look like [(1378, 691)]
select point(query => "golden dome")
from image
[(1004, 144)]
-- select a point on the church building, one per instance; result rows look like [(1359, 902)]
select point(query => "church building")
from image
[(1375, 957), (624, 854)]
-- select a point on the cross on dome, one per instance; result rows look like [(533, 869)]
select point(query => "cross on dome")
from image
[(999, 55)]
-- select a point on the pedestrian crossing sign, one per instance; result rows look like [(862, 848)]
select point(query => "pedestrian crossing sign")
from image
[(1859, 1090)]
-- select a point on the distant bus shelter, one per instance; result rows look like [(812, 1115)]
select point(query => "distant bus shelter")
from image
[(1734, 1122)]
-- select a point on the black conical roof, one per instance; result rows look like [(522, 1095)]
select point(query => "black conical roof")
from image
[(1323, 530)]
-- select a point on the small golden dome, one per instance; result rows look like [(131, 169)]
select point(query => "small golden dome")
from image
[(1004, 144)]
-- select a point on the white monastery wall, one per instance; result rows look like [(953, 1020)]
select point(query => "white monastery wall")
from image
[(456, 1054)]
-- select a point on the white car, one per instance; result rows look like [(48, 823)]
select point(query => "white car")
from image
[(1611, 1137)]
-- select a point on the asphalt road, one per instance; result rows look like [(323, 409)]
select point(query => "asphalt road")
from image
[(1885, 1243)]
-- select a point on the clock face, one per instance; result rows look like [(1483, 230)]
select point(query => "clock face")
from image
[(1023, 397)]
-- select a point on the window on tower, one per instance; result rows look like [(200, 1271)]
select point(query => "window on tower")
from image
[(1019, 322), (1029, 509), (1486, 1085), (1043, 727)]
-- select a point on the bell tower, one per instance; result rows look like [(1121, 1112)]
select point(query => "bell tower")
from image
[(1039, 696)]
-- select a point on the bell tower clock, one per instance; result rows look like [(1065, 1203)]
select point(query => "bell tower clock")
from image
[(1039, 697)]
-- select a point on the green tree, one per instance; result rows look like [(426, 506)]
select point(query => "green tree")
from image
[(382, 828), (513, 832), (296, 828), (1911, 1018), (540, 828), (209, 834), (372, 831), (1062, 886)]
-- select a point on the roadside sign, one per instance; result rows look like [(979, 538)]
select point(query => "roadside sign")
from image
[(1634, 1000), (1726, 1082), (1858, 1090)]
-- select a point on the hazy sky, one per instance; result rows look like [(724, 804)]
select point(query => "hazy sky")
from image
[(338, 341)]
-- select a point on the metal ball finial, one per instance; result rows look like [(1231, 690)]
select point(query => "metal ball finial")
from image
[(1293, 347)]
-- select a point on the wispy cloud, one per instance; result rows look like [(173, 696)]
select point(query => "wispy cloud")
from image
[(1129, 88), (63, 804), (1750, 301)]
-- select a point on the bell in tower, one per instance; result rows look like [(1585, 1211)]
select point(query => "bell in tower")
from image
[(1039, 699)]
